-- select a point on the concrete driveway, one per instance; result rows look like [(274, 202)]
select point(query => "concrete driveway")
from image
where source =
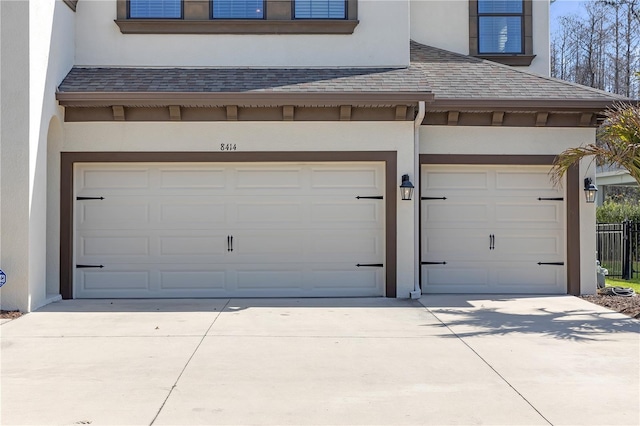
[(441, 360)]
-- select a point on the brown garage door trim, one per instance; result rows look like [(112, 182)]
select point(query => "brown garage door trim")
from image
[(572, 202), (69, 159)]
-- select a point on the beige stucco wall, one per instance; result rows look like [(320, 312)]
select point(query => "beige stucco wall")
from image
[(524, 141), (445, 24), (380, 39), (37, 52), (14, 153)]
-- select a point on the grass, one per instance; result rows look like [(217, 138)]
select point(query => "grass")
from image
[(616, 282)]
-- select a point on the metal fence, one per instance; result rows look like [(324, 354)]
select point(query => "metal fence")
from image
[(618, 246)]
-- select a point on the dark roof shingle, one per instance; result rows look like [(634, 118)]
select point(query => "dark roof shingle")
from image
[(432, 71)]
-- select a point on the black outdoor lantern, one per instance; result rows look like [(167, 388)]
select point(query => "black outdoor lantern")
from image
[(406, 188), (590, 190)]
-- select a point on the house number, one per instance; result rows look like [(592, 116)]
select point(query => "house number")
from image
[(227, 147)]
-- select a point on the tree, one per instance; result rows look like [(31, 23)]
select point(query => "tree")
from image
[(600, 47), (617, 144)]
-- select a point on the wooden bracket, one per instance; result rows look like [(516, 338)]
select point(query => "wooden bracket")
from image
[(401, 113), (232, 113), (174, 113), (497, 118), (542, 118), (287, 112), (345, 113), (585, 119), (118, 113)]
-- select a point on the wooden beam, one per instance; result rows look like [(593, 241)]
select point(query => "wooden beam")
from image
[(401, 113), (452, 118), (541, 119), (345, 113), (585, 119), (174, 113), (232, 113), (287, 112), (118, 112), (497, 118)]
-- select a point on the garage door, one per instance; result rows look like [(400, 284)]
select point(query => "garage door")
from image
[(491, 229), (232, 229)]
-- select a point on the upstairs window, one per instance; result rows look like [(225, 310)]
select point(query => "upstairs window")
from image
[(320, 9), (502, 31), (155, 9), (238, 9), (500, 26), (236, 16)]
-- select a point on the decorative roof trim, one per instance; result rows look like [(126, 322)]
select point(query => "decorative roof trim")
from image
[(204, 99), (568, 105)]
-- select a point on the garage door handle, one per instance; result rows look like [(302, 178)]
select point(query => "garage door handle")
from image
[(372, 265), (232, 243), (229, 242), (492, 242)]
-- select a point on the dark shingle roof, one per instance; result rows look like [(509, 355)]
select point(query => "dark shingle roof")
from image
[(221, 80), (456, 76), (451, 77)]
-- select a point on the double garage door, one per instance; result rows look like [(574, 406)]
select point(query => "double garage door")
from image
[(491, 229), (228, 230)]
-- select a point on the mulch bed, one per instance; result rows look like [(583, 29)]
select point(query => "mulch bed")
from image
[(10, 314), (629, 306)]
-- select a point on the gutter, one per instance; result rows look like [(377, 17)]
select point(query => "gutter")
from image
[(266, 98), (417, 292)]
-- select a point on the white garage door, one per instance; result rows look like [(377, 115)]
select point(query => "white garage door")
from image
[(222, 230), (491, 229)]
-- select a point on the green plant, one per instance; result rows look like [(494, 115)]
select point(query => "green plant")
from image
[(618, 144), (612, 212)]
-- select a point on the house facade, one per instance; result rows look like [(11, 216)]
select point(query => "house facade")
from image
[(196, 148)]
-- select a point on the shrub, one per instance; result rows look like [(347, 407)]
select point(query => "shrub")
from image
[(612, 212)]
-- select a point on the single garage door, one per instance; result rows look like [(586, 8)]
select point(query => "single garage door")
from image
[(491, 229), (229, 230)]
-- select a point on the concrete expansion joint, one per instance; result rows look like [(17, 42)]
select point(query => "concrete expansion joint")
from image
[(489, 365), (175, 384)]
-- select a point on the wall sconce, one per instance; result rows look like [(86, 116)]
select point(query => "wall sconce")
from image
[(590, 190), (406, 188)]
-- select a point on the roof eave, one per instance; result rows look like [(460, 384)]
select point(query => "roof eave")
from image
[(558, 105), (209, 99)]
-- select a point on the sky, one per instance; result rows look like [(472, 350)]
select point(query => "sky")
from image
[(563, 8)]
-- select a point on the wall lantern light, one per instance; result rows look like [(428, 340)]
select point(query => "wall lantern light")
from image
[(590, 190), (406, 188)]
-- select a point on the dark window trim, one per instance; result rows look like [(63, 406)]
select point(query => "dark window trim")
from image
[(572, 227), (197, 18), (69, 159), (513, 59)]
